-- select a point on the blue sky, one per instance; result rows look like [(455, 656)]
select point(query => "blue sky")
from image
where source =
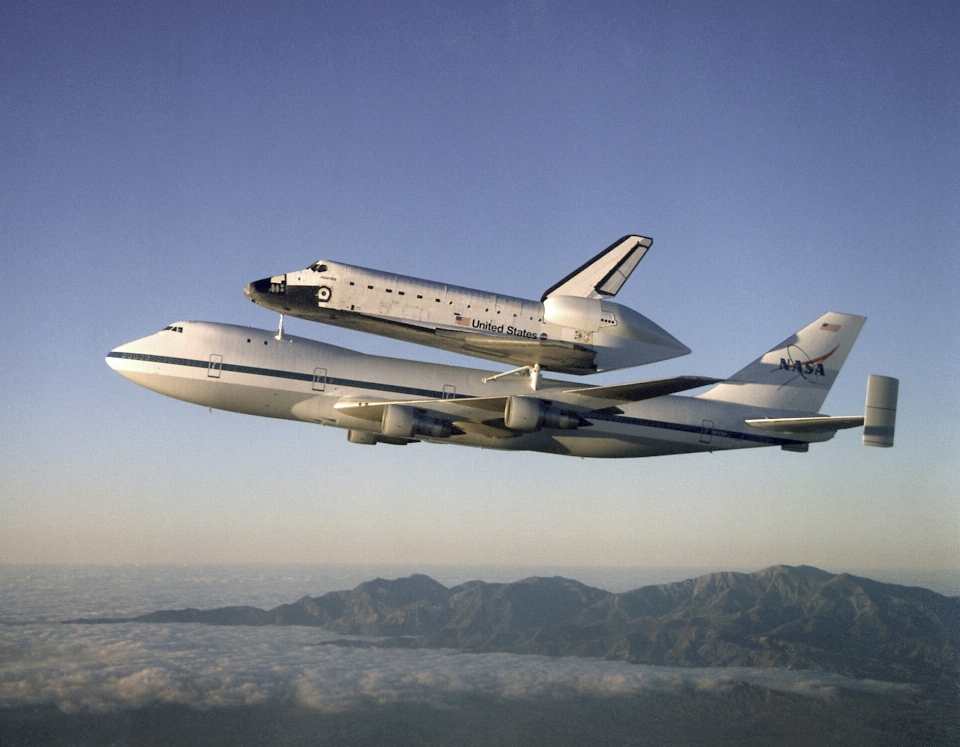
[(787, 159)]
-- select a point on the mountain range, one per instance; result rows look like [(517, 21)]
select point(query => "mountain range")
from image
[(782, 616)]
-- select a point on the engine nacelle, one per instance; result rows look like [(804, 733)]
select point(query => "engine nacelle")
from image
[(405, 422), (527, 414), (362, 437), (372, 439)]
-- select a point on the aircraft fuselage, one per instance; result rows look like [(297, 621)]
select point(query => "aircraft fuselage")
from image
[(250, 371)]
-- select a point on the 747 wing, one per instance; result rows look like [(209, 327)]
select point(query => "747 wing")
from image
[(507, 416)]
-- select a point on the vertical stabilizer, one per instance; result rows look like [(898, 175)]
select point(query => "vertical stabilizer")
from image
[(880, 414), (797, 374), (605, 274)]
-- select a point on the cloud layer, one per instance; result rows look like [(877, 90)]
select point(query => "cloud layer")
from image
[(102, 668)]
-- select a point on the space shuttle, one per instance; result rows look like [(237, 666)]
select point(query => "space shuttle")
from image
[(574, 328)]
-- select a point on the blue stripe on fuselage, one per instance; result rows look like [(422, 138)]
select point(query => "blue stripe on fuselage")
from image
[(293, 375), (697, 429)]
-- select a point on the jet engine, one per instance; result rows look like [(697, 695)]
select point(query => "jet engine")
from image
[(372, 439), (405, 422), (527, 414)]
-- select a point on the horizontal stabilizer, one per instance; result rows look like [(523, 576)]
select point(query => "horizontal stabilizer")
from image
[(605, 274), (816, 424), (641, 390)]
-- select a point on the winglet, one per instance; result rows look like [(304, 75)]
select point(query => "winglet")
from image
[(605, 274)]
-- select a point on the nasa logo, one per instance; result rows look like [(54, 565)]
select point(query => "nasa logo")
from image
[(543, 335), (804, 368), (798, 362), (324, 294)]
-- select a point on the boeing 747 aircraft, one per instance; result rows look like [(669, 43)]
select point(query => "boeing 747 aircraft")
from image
[(573, 329), (774, 401)]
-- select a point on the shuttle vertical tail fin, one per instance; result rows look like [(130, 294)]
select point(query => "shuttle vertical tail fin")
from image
[(797, 374), (605, 274)]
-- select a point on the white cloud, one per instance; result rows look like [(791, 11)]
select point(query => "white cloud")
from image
[(109, 667)]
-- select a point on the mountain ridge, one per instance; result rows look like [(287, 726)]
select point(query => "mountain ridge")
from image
[(797, 617)]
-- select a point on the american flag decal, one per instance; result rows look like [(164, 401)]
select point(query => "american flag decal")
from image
[(463, 321), (829, 327)]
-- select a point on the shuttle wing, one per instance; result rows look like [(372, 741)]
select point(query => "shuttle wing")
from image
[(605, 274), (557, 355)]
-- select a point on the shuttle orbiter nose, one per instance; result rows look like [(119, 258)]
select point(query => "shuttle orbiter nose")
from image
[(256, 288), (269, 293)]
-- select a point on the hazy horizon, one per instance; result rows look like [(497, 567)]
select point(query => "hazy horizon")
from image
[(269, 584)]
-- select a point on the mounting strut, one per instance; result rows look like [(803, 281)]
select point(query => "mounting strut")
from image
[(532, 371)]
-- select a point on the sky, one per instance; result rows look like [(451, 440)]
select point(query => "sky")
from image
[(787, 159)]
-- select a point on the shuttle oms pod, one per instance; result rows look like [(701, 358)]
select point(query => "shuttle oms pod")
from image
[(573, 329)]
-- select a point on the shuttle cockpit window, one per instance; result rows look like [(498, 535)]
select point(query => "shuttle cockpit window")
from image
[(318, 267)]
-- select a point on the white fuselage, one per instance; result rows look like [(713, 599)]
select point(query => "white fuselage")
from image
[(563, 333), (250, 371)]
